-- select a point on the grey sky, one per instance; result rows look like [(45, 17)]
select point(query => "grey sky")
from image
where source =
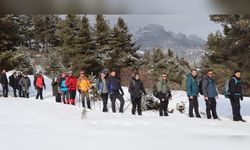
[(188, 24)]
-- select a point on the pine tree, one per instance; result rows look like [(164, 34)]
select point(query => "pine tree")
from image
[(9, 41), (26, 29), (231, 50), (170, 53), (102, 37), (122, 48), (9, 37), (54, 64), (85, 47), (45, 27), (68, 33)]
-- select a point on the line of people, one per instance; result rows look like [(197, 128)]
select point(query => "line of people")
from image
[(109, 86), (207, 87), (18, 81)]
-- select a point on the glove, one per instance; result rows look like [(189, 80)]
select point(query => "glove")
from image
[(241, 98), (45, 87)]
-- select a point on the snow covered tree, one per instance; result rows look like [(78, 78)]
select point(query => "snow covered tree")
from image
[(54, 64), (122, 48), (102, 37), (229, 51), (85, 48), (68, 33), (26, 29), (9, 37), (158, 62), (45, 27), (23, 60)]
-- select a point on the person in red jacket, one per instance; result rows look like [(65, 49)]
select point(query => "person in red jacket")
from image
[(39, 84), (71, 82)]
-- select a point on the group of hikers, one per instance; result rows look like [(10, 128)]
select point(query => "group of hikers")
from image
[(207, 87), (108, 86), (18, 81)]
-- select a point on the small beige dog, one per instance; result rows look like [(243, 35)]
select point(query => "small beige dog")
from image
[(84, 113)]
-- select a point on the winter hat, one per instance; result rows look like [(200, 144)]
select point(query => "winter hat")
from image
[(63, 74), (193, 70), (236, 71)]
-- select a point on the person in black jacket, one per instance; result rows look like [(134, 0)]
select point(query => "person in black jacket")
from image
[(4, 82), (235, 90), (13, 82), (136, 89), (114, 87)]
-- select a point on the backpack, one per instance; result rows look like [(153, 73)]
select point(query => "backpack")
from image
[(110, 88), (200, 85), (226, 87), (155, 91)]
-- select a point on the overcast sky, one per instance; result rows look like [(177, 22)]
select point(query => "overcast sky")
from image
[(188, 24)]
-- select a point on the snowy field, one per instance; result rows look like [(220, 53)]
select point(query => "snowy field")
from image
[(30, 124)]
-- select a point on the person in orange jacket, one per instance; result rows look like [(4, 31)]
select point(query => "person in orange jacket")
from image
[(83, 86)]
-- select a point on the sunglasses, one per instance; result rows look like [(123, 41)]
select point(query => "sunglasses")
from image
[(164, 76)]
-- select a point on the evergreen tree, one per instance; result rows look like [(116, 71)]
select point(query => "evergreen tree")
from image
[(45, 29), (26, 30), (68, 33), (170, 53), (231, 50), (122, 48), (158, 63), (85, 48), (9, 37), (54, 64), (102, 37)]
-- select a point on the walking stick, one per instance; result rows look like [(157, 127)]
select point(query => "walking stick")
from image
[(79, 100), (127, 106), (94, 101)]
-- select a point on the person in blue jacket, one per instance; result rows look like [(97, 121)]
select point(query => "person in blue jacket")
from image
[(103, 89), (192, 93), (64, 88), (210, 94)]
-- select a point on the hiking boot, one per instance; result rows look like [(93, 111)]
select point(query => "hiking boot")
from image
[(242, 120)]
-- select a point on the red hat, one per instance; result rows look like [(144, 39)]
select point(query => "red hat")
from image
[(63, 74)]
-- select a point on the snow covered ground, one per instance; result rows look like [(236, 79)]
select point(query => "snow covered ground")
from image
[(30, 124)]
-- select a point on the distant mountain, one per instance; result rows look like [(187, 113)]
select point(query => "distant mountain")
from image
[(155, 36)]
